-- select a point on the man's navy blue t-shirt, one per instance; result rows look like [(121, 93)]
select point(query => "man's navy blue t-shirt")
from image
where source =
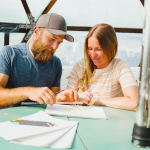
[(23, 70)]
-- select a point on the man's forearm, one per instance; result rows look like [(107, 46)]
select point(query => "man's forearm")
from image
[(10, 97)]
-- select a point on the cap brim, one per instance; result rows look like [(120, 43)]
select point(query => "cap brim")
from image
[(60, 32)]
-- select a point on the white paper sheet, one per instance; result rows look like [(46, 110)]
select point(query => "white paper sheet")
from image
[(40, 136), (66, 137), (76, 111)]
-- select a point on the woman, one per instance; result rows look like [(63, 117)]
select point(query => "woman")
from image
[(108, 80)]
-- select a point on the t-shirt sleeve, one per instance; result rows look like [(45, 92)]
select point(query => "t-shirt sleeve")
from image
[(125, 75), (5, 60), (75, 75), (57, 80)]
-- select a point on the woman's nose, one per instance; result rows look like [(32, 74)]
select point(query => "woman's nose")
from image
[(93, 53)]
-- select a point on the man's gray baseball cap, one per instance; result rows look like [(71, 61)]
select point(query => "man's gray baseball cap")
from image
[(55, 24)]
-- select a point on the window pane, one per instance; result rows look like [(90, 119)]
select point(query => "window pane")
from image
[(118, 13), (130, 46), (1, 40), (15, 38), (12, 11)]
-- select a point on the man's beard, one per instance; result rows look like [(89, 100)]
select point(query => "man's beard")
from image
[(40, 52)]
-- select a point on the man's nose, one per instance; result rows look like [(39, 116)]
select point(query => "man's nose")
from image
[(55, 45)]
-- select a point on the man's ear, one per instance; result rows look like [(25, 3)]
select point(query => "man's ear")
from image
[(36, 31)]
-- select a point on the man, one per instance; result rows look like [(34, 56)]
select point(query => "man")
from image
[(29, 71)]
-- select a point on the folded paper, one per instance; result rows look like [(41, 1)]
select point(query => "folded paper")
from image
[(60, 136)]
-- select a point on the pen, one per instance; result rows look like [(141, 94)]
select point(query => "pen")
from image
[(33, 123), (58, 92), (85, 88), (84, 85)]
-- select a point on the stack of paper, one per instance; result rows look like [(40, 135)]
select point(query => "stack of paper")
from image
[(76, 111), (59, 136)]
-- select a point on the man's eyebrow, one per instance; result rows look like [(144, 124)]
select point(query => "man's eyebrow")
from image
[(53, 36)]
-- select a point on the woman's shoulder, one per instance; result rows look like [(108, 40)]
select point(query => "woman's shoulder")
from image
[(80, 64), (79, 68), (117, 62)]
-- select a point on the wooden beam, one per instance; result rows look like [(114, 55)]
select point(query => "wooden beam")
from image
[(31, 18), (49, 6), (26, 8), (77, 28), (128, 30), (142, 1), (124, 30), (6, 38), (11, 26)]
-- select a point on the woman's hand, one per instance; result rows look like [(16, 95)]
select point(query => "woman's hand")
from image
[(85, 97), (67, 96), (94, 101)]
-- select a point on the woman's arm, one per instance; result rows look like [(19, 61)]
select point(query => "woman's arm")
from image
[(128, 102)]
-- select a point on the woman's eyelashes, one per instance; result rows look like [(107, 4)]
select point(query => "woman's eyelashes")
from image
[(97, 49)]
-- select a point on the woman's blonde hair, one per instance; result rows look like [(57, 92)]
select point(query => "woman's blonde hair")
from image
[(106, 36)]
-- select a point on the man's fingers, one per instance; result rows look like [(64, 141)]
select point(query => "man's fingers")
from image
[(45, 99), (50, 92), (48, 96), (51, 102), (42, 95), (52, 98), (39, 100)]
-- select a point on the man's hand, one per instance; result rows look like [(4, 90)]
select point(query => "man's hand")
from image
[(67, 96), (41, 95), (85, 97)]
